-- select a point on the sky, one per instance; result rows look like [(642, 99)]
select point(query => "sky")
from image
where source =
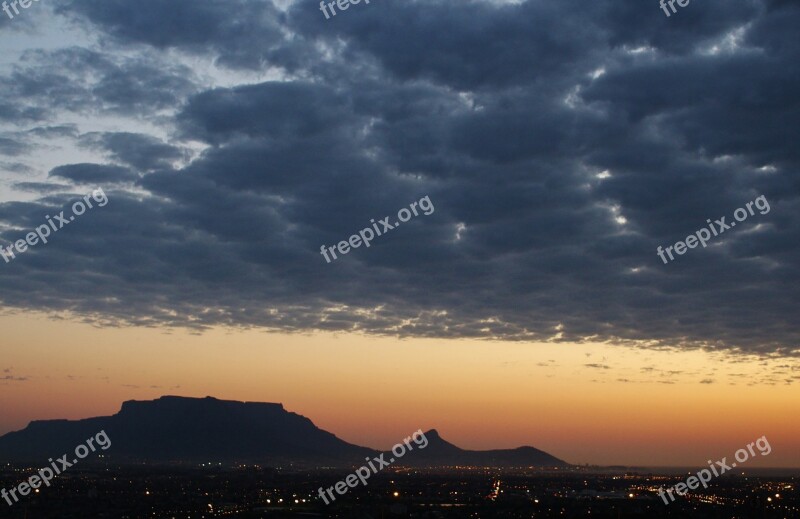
[(560, 144)]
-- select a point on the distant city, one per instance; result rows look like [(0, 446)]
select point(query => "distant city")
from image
[(214, 490)]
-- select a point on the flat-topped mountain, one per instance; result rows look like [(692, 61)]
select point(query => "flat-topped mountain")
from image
[(200, 430)]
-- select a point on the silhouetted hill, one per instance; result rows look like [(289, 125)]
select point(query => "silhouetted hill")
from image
[(442, 453), (201, 430)]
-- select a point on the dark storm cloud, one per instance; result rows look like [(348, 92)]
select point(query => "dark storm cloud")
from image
[(139, 151), (94, 174), (474, 45), (504, 116), (46, 83), (280, 111), (241, 32)]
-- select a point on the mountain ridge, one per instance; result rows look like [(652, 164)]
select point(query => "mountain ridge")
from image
[(175, 429)]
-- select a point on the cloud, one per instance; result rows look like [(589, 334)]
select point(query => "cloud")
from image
[(10, 147), (72, 80), (240, 32), (94, 174), (49, 132), (561, 144), (41, 187), (138, 151), (16, 167), (10, 377)]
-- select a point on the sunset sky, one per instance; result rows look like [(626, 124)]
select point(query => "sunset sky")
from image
[(561, 143), (588, 403)]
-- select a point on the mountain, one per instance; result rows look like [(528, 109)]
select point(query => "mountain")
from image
[(201, 430), (440, 453), (176, 429)]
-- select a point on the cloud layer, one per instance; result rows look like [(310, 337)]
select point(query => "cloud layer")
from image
[(561, 143)]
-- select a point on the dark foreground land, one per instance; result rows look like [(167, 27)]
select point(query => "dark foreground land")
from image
[(251, 492)]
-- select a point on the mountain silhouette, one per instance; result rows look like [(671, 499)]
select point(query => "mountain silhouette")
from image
[(441, 453), (203, 430)]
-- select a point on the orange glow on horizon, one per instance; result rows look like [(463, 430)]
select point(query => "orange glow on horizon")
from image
[(588, 403)]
